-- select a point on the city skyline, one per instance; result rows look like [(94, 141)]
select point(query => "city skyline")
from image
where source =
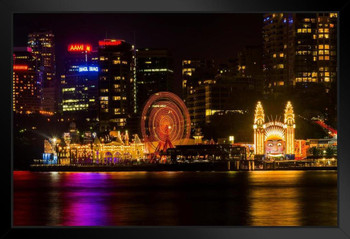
[(168, 112), (184, 35), (123, 76)]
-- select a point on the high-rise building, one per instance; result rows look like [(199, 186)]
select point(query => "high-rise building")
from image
[(115, 83), (299, 48), (194, 73), (305, 65), (223, 94), (79, 91), (26, 86), (154, 73), (279, 49), (43, 46), (250, 65), (327, 47)]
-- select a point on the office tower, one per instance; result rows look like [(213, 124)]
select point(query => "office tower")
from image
[(225, 93), (194, 72), (79, 92), (43, 46), (115, 83), (26, 86), (154, 73)]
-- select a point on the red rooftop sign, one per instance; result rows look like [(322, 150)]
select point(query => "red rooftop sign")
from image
[(79, 47), (109, 42)]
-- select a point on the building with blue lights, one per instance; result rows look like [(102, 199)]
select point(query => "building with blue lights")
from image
[(79, 91)]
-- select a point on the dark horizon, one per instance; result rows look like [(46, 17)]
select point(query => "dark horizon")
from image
[(189, 35)]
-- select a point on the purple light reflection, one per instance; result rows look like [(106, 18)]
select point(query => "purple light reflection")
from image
[(85, 199)]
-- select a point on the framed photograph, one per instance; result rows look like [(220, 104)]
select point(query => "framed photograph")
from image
[(169, 119)]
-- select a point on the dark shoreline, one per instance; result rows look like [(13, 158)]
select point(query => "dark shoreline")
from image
[(158, 167)]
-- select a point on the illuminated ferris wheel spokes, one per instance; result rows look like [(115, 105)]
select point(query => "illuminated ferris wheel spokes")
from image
[(165, 118)]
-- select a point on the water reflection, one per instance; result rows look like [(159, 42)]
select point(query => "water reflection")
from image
[(275, 199), (268, 198), (292, 198)]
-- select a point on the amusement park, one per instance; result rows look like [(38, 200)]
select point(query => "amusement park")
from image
[(166, 141)]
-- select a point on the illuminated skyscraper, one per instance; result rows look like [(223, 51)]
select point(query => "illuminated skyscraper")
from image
[(115, 83), (225, 93), (299, 48), (43, 46), (154, 73), (194, 73), (26, 87), (327, 47), (79, 83), (279, 49)]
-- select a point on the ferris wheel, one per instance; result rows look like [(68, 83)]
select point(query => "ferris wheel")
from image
[(165, 120)]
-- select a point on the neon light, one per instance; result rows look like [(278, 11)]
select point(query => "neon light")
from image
[(93, 68), (79, 47), (83, 69), (86, 69), (20, 67), (109, 42)]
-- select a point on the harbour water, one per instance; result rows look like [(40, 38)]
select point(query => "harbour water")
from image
[(244, 198)]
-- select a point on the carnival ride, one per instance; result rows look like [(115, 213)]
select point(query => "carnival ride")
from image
[(165, 122)]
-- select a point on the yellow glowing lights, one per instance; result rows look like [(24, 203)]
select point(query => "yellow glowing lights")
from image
[(274, 132), (232, 139), (274, 129)]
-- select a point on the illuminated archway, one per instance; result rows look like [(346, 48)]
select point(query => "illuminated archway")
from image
[(274, 138)]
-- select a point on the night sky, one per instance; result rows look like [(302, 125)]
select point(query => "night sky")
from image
[(216, 36)]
